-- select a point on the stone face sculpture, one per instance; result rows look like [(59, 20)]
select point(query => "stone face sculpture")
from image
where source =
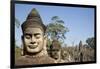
[(34, 41), (57, 53), (66, 56), (55, 50)]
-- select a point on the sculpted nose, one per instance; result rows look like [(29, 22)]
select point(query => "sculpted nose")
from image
[(33, 40)]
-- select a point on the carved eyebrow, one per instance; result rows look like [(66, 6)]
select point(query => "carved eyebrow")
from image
[(33, 34), (27, 34), (37, 34)]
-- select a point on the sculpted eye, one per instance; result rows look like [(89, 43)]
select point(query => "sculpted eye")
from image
[(38, 36), (27, 36)]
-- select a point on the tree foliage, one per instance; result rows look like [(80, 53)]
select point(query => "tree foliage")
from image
[(17, 23), (91, 42), (56, 29)]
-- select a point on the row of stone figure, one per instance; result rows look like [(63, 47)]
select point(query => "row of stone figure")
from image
[(34, 43)]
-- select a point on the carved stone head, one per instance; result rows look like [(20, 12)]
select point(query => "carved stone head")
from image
[(55, 49), (33, 33)]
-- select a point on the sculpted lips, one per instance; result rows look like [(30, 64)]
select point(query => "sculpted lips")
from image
[(32, 46)]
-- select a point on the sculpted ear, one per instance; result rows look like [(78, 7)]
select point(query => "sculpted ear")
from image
[(45, 40), (45, 43), (22, 38), (22, 46)]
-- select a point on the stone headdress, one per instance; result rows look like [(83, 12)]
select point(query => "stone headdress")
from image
[(55, 45), (33, 20)]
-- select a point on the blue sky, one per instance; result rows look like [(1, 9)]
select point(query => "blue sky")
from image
[(79, 20)]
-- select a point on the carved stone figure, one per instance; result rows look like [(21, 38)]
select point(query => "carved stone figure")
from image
[(34, 41), (55, 50), (66, 56)]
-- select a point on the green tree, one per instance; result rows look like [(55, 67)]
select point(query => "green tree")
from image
[(91, 42), (56, 29), (17, 23)]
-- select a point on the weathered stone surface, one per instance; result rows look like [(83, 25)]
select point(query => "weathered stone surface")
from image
[(34, 41)]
